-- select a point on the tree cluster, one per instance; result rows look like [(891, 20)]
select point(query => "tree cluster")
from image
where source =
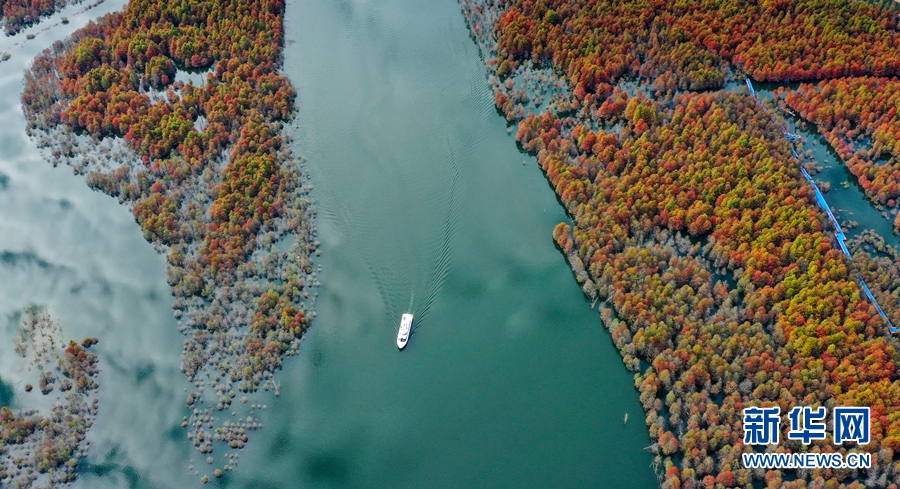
[(664, 214), (596, 43), (879, 265), (44, 448), (721, 286), (859, 118), (204, 167), (18, 14)]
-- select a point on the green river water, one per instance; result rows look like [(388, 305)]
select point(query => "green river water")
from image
[(509, 379)]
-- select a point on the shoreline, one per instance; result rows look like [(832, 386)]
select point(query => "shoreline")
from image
[(46, 446), (242, 309), (670, 268)]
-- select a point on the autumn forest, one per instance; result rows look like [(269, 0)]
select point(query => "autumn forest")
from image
[(690, 225), (176, 109), (717, 275)]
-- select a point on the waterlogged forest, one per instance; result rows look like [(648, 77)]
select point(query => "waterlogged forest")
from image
[(859, 117), (177, 110), (42, 446), (691, 224), (18, 14)]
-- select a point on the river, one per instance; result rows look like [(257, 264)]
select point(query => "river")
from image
[(509, 379), (425, 205)]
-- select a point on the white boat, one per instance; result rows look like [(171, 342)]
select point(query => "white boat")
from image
[(405, 328)]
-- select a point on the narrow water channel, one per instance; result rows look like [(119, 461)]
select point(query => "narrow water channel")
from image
[(846, 197)]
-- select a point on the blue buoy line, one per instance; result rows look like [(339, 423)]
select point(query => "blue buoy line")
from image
[(839, 235), (787, 134)]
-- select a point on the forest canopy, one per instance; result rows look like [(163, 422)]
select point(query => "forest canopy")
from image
[(18, 14), (178, 109), (859, 118), (596, 43), (690, 219)]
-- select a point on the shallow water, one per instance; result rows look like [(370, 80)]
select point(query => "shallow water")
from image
[(509, 379), (848, 204), (80, 253), (851, 203)]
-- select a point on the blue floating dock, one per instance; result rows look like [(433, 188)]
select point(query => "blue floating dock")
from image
[(839, 235)]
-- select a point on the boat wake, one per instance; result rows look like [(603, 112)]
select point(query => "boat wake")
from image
[(402, 223)]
